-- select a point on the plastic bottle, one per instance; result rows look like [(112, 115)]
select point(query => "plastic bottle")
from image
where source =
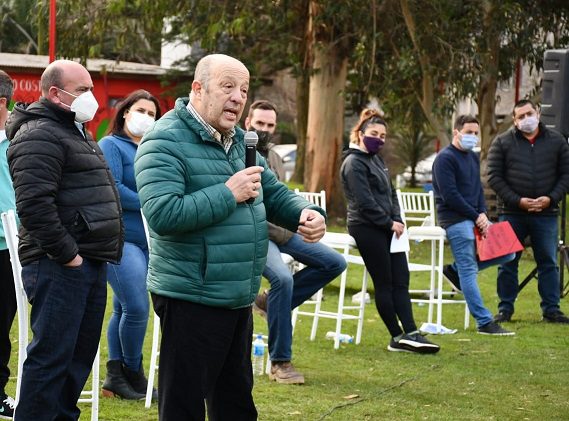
[(344, 337), (258, 359)]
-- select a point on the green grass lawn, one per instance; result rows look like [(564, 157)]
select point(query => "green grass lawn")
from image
[(474, 377)]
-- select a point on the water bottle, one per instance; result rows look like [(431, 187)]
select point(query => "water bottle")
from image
[(343, 337), (258, 359)]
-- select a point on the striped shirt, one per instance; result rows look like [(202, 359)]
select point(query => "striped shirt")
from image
[(225, 140)]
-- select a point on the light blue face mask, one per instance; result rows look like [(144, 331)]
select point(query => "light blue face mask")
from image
[(468, 141)]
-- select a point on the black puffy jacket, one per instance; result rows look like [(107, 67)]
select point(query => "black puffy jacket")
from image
[(66, 197), (372, 200), (517, 169)]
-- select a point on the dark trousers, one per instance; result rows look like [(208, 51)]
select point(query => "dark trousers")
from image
[(390, 275), (205, 355), (7, 313), (68, 306)]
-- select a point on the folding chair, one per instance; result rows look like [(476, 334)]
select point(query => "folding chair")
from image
[(155, 352), (420, 208), (11, 232)]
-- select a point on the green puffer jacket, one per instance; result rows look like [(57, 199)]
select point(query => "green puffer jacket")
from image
[(205, 248)]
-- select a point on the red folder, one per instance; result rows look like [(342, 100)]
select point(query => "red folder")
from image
[(499, 241)]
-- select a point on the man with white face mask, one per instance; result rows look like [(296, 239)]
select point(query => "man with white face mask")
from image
[(71, 226), (460, 209), (528, 167)]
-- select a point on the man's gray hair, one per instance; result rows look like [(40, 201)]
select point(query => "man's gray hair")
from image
[(52, 76), (6, 86)]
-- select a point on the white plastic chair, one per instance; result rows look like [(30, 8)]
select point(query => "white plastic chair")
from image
[(155, 352), (420, 208), (344, 243), (11, 233)]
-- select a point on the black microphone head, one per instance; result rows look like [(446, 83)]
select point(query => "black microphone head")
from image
[(251, 138)]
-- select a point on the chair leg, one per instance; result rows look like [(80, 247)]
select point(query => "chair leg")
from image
[(95, 389), (439, 282), (293, 319), (340, 314), (154, 354), (317, 307), (22, 306), (362, 308)]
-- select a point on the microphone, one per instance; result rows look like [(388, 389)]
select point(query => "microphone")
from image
[(251, 139)]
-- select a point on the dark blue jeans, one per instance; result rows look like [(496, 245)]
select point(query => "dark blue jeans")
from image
[(68, 305), (288, 291), (543, 233)]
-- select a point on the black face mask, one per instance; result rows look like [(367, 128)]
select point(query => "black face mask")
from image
[(264, 140)]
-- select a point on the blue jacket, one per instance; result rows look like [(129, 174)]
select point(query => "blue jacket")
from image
[(457, 186), (119, 152)]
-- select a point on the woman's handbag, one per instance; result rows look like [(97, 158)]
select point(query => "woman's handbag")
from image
[(500, 240)]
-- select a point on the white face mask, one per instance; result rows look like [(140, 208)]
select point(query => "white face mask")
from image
[(138, 123), (84, 106), (528, 124)]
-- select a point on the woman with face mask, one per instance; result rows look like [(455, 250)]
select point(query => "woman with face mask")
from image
[(127, 326), (373, 218)]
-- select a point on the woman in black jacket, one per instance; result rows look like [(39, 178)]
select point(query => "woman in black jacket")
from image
[(373, 218)]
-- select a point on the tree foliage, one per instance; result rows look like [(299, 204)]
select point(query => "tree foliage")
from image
[(417, 58)]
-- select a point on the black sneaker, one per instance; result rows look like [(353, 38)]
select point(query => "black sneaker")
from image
[(494, 329), (503, 316), (555, 317), (413, 342), (451, 275), (7, 405)]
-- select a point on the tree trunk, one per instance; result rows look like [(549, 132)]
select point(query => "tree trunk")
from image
[(326, 126), (302, 87), (486, 102)]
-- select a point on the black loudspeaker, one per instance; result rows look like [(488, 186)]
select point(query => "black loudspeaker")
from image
[(555, 91)]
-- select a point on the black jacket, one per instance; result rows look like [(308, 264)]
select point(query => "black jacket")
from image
[(66, 197), (517, 169), (372, 200)]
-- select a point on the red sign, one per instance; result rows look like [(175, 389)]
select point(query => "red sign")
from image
[(108, 91)]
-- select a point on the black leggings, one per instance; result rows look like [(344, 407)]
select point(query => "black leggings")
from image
[(390, 275)]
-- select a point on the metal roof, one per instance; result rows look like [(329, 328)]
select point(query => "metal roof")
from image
[(25, 61)]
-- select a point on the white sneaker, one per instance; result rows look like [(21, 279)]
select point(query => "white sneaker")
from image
[(357, 298)]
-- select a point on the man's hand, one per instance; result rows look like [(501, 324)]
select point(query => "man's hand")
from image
[(245, 183), (483, 223), (77, 261), (542, 202), (311, 226), (535, 205), (397, 228), (526, 204)]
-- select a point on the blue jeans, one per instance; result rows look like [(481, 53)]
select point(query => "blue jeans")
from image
[(68, 306), (289, 291), (543, 233), (463, 246), (127, 325)]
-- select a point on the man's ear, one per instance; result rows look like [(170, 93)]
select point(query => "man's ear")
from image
[(247, 123), (53, 96), (197, 88)]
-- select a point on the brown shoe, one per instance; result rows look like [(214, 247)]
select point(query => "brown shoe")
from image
[(285, 373), (260, 304)]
